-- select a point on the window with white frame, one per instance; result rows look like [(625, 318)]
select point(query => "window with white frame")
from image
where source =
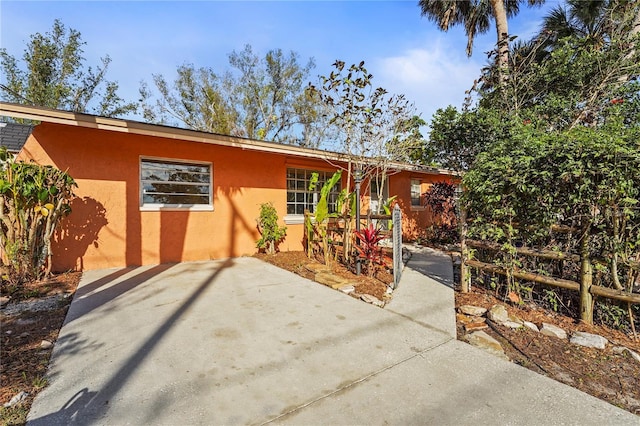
[(178, 184), (416, 193), (300, 198)]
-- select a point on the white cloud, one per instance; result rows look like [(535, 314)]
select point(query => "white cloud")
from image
[(432, 77)]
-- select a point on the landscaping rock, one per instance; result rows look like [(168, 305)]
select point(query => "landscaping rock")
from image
[(44, 304), (329, 279), (16, 399), (530, 325), (317, 267), (348, 289), (622, 350), (475, 311), (589, 340), (498, 313), (475, 326), (372, 299), (482, 340), (513, 324), (552, 330), (4, 300), (45, 344), (471, 323)]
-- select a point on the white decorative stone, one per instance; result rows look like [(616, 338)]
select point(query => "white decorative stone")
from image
[(347, 289), (622, 350), (589, 340), (512, 324), (531, 325), (4, 300), (634, 355), (474, 311), (16, 399), (372, 299), (45, 344), (553, 331), (498, 313)]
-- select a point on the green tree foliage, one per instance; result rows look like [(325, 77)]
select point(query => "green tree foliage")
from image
[(53, 74), (557, 143), (564, 82), (586, 178), (258, 98), (373, 127), (196, 99), (457, 137), (33, 199)]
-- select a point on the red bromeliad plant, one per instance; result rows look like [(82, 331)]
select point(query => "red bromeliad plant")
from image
[(369, 246)]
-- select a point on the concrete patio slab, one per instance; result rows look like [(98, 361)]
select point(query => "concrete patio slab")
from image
[(240, 341)]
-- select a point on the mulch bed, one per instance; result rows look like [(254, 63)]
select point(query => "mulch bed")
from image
[(295, 261), (24, 362), (604, 374)]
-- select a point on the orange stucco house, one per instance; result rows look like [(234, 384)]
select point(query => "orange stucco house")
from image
[(150, 194)]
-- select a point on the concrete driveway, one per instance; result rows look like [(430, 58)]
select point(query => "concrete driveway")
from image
[(242, 342)]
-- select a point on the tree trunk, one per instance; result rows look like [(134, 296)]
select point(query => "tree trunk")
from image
[(502, 29), (465, 273)]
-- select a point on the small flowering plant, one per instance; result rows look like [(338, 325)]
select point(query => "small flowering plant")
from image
[(368, 247)]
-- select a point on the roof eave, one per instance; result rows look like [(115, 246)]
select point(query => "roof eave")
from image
[(48, 115)]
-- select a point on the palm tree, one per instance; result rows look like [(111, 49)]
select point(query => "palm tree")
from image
[(595, 22), (476, 16), (588, 20)]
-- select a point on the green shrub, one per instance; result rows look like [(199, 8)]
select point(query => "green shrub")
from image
[(271, 233)]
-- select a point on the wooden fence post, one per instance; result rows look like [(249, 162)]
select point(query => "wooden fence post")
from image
[(465, 273), (308, 233), (586, 280)]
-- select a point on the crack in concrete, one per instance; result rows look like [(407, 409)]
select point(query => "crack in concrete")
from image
[(355, 382)]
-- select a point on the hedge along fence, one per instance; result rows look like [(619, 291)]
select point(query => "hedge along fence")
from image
[(584, 286), (33, 199), (587, 180)]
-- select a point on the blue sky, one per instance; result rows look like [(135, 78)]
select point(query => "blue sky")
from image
[(405, 52)]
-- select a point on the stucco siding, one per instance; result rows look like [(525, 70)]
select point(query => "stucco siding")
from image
[(107, 227)]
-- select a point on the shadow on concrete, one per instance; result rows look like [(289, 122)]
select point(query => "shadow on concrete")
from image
[(88, 405), (434, 265), (85, 301)]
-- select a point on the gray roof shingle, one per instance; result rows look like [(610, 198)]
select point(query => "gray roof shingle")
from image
[(14, 136)]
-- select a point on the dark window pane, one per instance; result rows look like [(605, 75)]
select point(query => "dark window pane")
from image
[(174, 183)]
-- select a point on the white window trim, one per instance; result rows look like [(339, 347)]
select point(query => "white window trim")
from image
[(416, 207), (175, 207), (294, 219), (298, 219)]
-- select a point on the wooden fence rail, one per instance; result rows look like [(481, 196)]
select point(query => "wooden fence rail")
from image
[(584, 287), (557, 282)]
